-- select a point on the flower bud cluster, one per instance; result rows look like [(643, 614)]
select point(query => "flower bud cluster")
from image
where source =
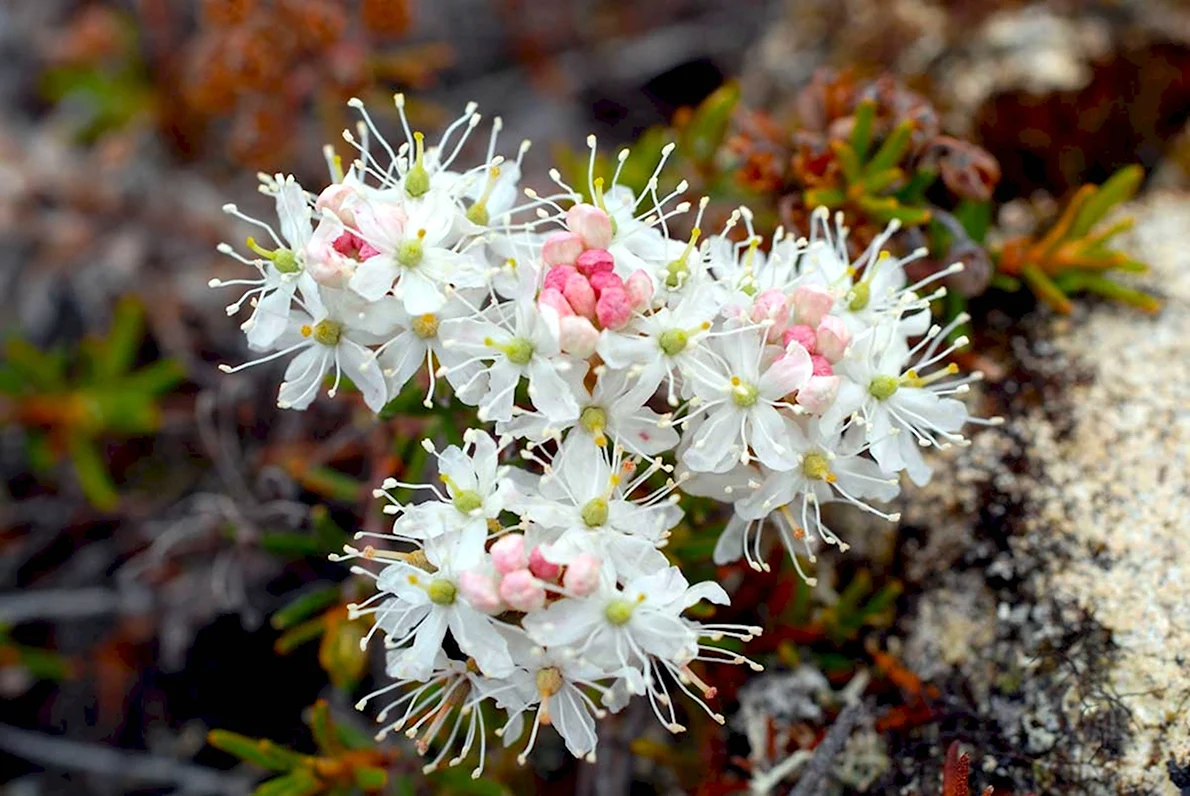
[(775, 379)]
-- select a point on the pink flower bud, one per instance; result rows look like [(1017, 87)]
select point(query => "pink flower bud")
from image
[(640, 289), (561, 248), (578, 336), (810, 304), (822, 365), (582, 574), (594, 261), (508, 553), (580, 294), (817, 394), (602, 280), (546, 570), (614, 309), (480, 591), (591, 224), (326, 266), (333, 198), (832, 337), (800, 334), (556, 277), (521, 591), (553, 298), (772, 305)]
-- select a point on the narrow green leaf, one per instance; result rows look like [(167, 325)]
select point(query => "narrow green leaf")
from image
[(1045, 289), (976, 218), (892, 150), (318, 718), (848, 162), (824, 197), (156, 378), (289, 544), (703, 135), (259, 752), (40, 371), (92, 473), (913, 192), (305, 606), (299, 782), (118, 351), (1120, 187), (299, 634), (370, 780), (861, 132), (880, 182)]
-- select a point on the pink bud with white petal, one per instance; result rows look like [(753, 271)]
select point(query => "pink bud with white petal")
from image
[(580, 294), (553, 298), (810, 304), (801, 334), (771, 305), (817, 394), (521, 591), (591, 224), (614, 309), (582, 574), (832, 337), (640, 289), (333, 198), (508, 553), (546, 570), (594, 261), (822, 365), (561, 248), (578, 336), (480, 591), (603, 280)]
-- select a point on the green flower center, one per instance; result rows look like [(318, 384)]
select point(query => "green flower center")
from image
[(861, 294), (619, 612), (594, 513), (441, 592), (417, 180), (673, 341), (883, 387), (326, 332), (411, 252), (816, 466), (593, 420), (519, 351), (286, 261), (743, 394), (467, 501)]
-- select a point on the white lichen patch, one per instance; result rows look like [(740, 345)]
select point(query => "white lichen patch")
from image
[(1118, 484)]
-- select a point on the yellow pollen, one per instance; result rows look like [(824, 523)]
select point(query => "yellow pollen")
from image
[(307, 330)]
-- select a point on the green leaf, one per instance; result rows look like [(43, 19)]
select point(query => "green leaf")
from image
[(1120, 187), (92, 473), (976, 218), (1045, 289), (156, 378), (41, 372), (861, 132), (290, 544), (318, 718), (299, 634), (118, 351), (824, 197), (703, 135), (370, 780), (305, 606), (892, 150), (882, 181), (848, 162), (259, 752), (299, 782)]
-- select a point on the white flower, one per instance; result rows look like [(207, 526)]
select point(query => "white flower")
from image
[(424, 605), (741, 386), (587, 496), (902, 408), (520, 341), (615, 410)]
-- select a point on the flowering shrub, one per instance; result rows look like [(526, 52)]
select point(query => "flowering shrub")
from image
[(774, 379)]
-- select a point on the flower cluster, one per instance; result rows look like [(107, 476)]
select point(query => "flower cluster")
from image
[(774, 378)]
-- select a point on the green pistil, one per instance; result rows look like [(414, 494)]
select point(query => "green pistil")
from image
[(619, 612), (883, 387), (327, 333), (743, 395), (467, 501), (284, 260), (677, 271), (593, 420), (597, 190), (478, 212), (417, 180), (861, 294), (411, 252), (519, 351), (816, 466), (594, 512), (441, 592), (673, 341)]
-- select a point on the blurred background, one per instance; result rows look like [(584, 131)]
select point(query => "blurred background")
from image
[(164, 528)]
